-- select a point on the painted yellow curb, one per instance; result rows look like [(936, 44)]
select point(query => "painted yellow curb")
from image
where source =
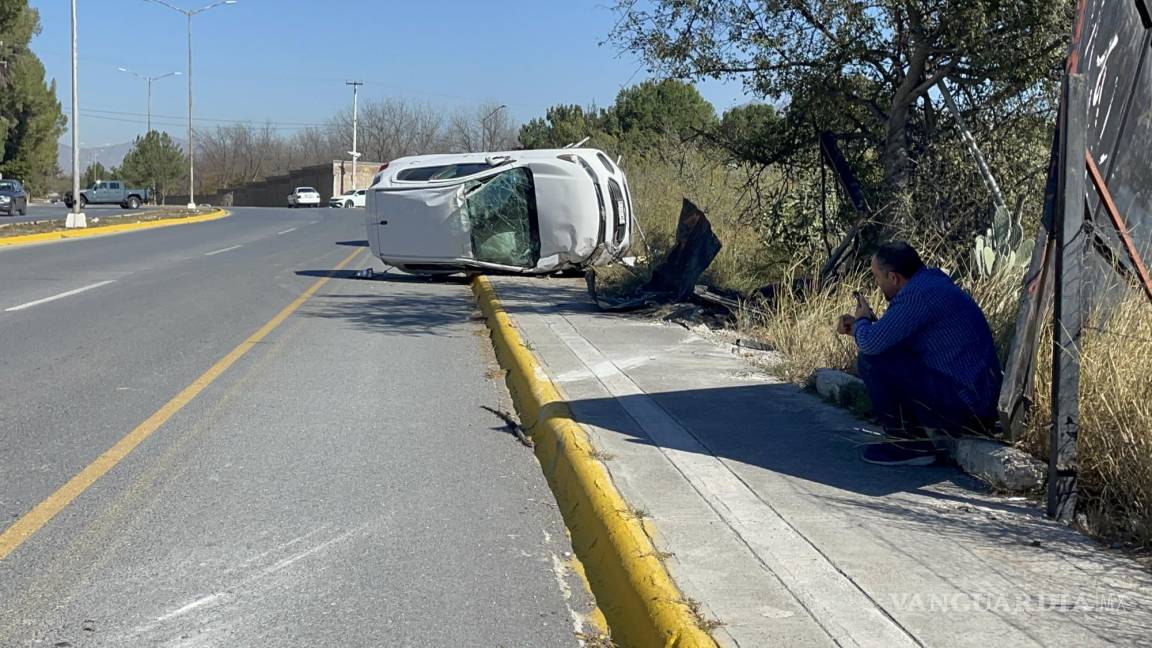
[(642, 605), (110, 229)]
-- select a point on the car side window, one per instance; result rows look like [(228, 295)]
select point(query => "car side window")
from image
[(113, 185)]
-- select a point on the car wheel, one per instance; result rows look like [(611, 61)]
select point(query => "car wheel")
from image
[(133, 202), (24, 210), (348, 204), (83, 202)]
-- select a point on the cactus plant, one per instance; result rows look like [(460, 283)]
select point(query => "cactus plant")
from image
[(1002, 247)]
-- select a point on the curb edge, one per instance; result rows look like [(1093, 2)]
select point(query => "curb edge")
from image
[(632, 587), (47, 237)]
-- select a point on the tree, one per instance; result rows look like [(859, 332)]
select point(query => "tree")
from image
[(563, 125), (864, 69), (94, 172), (486, 128), (156, 162), (665, 107), (30, 116)]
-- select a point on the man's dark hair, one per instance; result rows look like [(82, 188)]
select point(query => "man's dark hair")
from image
[(899, 257)]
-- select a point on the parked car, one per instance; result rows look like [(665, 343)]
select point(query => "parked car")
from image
[(349, 199), (110, 192), (304, 197), (13, 199), (520, 211)]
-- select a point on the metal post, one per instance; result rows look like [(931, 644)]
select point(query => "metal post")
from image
[(973, 148), (485, 131), (149, 106), (76, 218), (355, 109), (1068, 313), (191, 146)]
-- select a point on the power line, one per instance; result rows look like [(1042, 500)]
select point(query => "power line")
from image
[(206, 119)]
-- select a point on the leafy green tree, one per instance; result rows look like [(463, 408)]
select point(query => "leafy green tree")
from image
[(156, 162), (864, 70), (94, 172), (755, 133), (30, 117), (563, 125), (665, 107)]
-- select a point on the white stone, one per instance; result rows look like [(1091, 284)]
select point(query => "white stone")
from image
[(1002, 466)]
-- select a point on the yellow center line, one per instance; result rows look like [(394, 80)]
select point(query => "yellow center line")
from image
[(42, 513)]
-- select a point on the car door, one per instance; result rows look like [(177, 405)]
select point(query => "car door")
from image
[(421, 224), (114, 193)]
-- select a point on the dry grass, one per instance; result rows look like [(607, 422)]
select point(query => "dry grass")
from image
[(1116, 391), (746, 262), (1115, 439)]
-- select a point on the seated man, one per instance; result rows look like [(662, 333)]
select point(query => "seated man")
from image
[(929, 363)]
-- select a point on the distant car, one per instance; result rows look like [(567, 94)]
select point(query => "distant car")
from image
[(13, 199), (304, 197), (531, 212), (110, 192), (349, 199)]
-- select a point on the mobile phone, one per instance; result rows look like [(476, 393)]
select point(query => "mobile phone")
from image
[(860, 302)]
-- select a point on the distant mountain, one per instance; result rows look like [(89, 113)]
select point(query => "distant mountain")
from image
[(110, 155)]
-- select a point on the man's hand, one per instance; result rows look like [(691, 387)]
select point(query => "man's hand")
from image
[(845, 324), (863, 310)]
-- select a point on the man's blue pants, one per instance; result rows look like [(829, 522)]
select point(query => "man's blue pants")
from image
[(908, 397)]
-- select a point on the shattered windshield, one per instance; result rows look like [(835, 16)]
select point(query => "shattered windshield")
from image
[(502, 213)]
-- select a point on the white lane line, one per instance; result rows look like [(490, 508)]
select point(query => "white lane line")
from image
[(60, 296), (313, 222), (227, 249), (286, 231)]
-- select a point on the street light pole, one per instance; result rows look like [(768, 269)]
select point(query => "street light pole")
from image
[(355, 152), (484, 126), (76, 217), (191, 146), (148, 80)]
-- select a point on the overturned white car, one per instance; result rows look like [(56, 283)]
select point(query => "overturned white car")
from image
[(535, 211)]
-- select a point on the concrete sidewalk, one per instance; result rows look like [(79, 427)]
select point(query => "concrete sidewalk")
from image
[(773, 525)]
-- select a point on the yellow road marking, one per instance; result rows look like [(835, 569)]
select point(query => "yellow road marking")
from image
[(42, 513)]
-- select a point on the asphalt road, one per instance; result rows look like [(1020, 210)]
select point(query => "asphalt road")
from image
[(338, 484)]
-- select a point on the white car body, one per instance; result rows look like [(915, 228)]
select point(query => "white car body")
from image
[(349, 199), (535, 211), (304, 197)]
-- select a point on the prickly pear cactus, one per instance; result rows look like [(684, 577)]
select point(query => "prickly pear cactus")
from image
[(1002, 247)]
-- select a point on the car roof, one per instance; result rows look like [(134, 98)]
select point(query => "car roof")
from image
[(525, 154)]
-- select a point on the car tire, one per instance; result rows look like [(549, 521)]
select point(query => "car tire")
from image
[(83, 202), (347, 204), (133, 202), (24, 210)]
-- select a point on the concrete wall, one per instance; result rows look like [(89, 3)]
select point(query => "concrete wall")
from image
[(329, 179)]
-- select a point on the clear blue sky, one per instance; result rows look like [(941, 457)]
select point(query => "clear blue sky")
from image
[(287, 60)]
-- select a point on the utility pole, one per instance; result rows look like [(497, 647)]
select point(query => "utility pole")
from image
[(355, 153), (76, 217), (191, 147)]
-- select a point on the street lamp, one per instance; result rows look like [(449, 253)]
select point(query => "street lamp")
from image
[(355, 153), (487, 131), (149, 80), (191, 148), (76, 217)]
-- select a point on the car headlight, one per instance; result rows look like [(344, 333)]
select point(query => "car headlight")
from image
[(5, 199)]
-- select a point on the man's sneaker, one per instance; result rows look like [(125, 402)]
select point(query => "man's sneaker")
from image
[(900, 453)]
